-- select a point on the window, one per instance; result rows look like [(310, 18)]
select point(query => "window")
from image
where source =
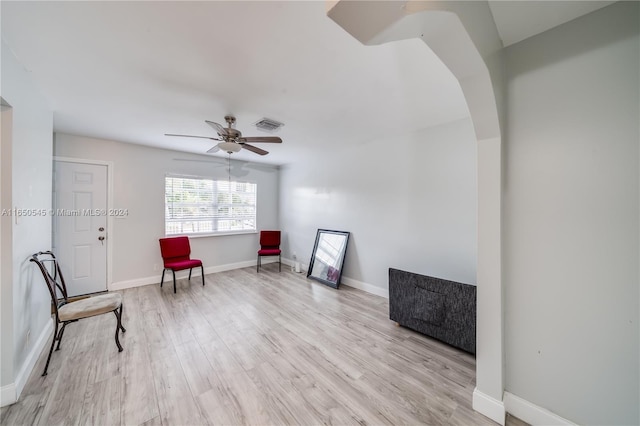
[(205, 206)]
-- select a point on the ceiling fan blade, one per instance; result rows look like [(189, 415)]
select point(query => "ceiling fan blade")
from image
[(254, 149), (191, 136), (217, 127), (216, 148), (260, 139)]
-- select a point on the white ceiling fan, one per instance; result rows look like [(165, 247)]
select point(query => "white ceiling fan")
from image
[(231, 139)]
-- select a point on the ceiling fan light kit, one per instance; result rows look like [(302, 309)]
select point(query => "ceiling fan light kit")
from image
[(232, 140), (230, 147)]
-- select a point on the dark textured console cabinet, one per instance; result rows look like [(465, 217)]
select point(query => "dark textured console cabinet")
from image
[(444, 310)]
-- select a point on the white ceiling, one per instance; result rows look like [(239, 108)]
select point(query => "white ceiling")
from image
[(518, 20), (132, 71)]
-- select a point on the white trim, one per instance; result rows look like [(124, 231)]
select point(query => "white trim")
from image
[(11, 392), (8, 395), (488, 406), (531, 413), (287, 262), (138, 282), (216, 234), (291, 263), (110, 233), (369, 288), (349, 282), (207, 177), (32, 358)]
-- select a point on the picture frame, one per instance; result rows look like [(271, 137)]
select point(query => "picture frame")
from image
[(327, 257)]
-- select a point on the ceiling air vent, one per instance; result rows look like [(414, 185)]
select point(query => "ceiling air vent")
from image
[(268, 125)]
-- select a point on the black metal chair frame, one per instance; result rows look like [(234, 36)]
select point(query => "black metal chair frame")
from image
[(259, 262), (174, 276), (56, 283)]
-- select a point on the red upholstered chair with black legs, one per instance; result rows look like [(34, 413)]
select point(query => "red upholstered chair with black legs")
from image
[(176, 255), (269, 246)]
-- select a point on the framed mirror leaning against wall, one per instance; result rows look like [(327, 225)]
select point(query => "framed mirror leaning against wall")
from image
[(327, 257)]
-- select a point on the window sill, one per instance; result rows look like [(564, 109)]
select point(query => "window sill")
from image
[(216, 234)]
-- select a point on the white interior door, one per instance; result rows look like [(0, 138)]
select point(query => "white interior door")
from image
[(80, 225)]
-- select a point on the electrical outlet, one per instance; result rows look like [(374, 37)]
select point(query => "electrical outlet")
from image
[(156, 267), (295, 257)]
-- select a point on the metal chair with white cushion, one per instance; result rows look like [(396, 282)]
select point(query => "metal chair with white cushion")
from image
[(67, 312)]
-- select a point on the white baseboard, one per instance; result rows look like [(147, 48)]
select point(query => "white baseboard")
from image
[(291, 263), (11, 392), (369, 288), (168, 276), (138, 282), (32, 358), (8, 395), (531, 413), (350, 282), (489, 406)]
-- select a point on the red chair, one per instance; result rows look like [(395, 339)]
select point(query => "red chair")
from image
[(269, 246), (176, 253)]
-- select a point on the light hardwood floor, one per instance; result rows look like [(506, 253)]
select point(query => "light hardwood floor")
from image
[(248, 348)]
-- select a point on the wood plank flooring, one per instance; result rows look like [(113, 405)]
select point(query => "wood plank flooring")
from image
[(249, 348)]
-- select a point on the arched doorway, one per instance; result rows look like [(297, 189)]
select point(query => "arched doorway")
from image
[(463, 35)]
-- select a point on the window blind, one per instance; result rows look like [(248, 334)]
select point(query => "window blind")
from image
[(206, 206)]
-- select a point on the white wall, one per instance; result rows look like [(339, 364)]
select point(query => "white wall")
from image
[(571, 218), (6, 250), (409, 201), (138, 185), (31, 150)]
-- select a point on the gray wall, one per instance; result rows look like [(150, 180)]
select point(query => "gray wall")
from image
[(571, 218), (138, 185), (409, 201), (31, 148)]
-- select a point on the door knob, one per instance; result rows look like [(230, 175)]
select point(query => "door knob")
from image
[(101, 239)]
